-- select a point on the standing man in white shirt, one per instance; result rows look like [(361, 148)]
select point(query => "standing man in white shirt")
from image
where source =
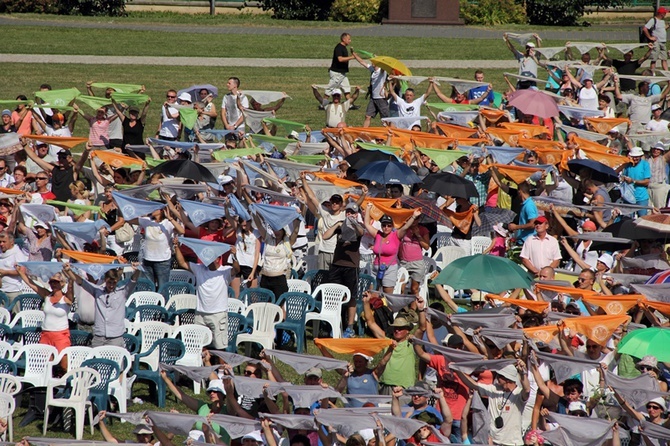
[(410, 106), (656, 31), (232, 116), (657, 124), (170, 126), (212, 290), (11, 255)]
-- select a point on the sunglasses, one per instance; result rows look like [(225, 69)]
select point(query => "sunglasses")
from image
[(592, 347), (42, 178), (386, 225), (249, 373), (171, 97), (646, 368), (653, 407), (583, 279)]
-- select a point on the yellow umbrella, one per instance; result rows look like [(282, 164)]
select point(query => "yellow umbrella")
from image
[(391, 65)]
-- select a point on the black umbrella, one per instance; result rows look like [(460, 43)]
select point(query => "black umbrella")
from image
[(604, 241), (362, 158), (626, 228), (445, 183), (186, 169), (599, 171)]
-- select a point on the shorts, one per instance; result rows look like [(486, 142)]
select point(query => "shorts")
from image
[(338, 80), (324, 260), (115, 143), (416, 270), (244, 272), (59, 339), (218, 324), (100, 341), (659, 52), (347, 276), (390, 275), (380, 106)]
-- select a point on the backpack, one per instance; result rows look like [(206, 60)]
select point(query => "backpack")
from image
[(643, 37)]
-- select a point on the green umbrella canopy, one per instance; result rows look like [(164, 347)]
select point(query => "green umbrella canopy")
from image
[(652, 341), (484, 272)]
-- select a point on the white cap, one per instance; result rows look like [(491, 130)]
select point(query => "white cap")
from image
[(336, 91), (363, 355), (216, 385), (636, 151), (530, 45), (255, 436), (226, 179), (185, 97), (509, 372), (660, 145), (614, 129), (655, 107), (607, 259), (577, 406), (367, 434), (195, 435)]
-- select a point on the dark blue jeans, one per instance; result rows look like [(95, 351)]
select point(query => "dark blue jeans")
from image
[(157, 272)]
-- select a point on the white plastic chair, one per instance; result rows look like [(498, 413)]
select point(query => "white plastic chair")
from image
[(151, 331), (6, 350), (265, 316), (9, 384), (194, 337), (145, 298), (181, 302), (182, 275), (431, 266), (39, 363), (75, 356), (332, 297), (5, 316), (119, 388), (402, 281), (236, 306), (299, 286), (7, 407), (80, 380), (479, 244), (447, 254), (27, 318), (442, 238)]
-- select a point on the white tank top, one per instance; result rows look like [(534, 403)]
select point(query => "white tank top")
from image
[(55, 315), (588, 98)]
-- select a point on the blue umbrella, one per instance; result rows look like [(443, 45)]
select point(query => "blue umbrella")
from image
[(194, 91), (388, 172), (599, 171)]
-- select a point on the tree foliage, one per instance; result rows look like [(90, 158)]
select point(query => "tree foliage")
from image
[(563, 12), (298, 9)]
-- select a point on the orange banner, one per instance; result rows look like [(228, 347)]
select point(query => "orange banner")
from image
[(604, 125), (597, 328), (368, 134), (8, 191), (607, 159), (549, 156), (662, 307), (472, 141), (337, 181), (532, 305), (462, 220), (61, 141), (425, 140), (116, 160), (518, 174), (456, 131), (530, 129), (568, 291), (511, 137), (381, 206), (535, 144), (367, 346), (87, 257), (585, 144), (543, 333), (491, 115), (616, 305)]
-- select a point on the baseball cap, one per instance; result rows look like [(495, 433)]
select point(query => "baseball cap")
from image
[(530, 45), (336, 91), (577, 406), (662, 10), (314, 371), (655, 107), (225, 179), (254, 436), (195, 435), (185, 97), (134, 110), (64, 153), (216, 385), (337, 198), (351, 206), (541, 219), (452, 340), (143, 429), (385, 219)]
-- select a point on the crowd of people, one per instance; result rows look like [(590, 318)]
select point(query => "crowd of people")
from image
[(563, 190)]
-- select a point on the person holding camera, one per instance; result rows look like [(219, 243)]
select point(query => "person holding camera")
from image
[(507, 399), (386, 247)]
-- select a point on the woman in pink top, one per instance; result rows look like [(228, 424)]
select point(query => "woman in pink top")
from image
[(98, 135), (386, 247), (498, 246), (416, 239)]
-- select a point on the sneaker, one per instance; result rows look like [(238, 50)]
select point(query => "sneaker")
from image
[(349, 333), (355, 107)]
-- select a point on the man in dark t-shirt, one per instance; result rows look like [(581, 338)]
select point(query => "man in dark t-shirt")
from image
[(346, 258), (339, 67), (628, 66)]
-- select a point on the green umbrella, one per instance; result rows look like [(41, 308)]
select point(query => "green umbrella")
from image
[(647, 341), (484, 272)]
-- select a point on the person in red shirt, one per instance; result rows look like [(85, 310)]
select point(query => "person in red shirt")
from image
[(42, 183)]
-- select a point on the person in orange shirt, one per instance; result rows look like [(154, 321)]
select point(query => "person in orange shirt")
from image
[(22, 117)]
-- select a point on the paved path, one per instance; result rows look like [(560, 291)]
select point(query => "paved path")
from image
[(611, 33), (236, 62)]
